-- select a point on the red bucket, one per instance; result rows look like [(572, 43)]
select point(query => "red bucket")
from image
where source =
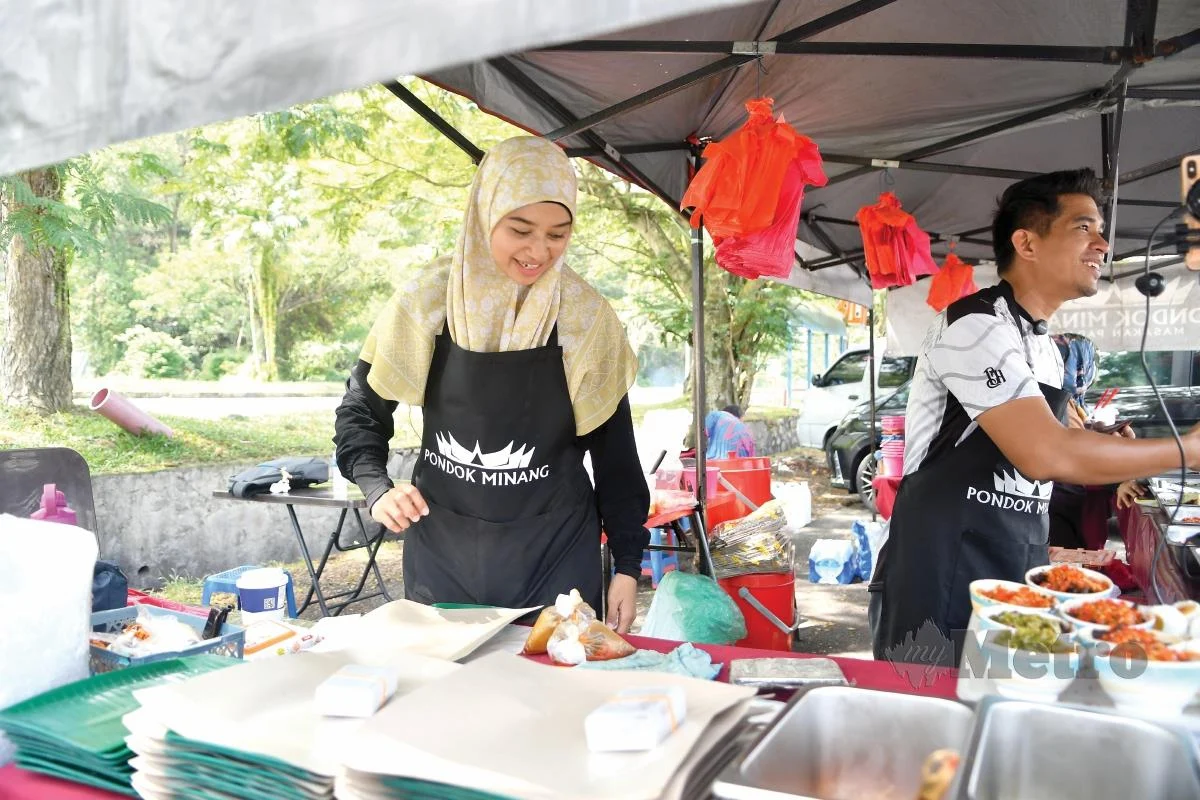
[(775, 592)]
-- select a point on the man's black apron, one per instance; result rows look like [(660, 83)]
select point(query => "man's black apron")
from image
[(512, 517), (967, 515)]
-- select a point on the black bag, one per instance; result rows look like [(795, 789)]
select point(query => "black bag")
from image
[(110, 587), (258, 480)]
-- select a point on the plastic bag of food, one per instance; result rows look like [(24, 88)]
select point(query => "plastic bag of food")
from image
[(693, 608), (151, 634), (573, 643), (567, 606)]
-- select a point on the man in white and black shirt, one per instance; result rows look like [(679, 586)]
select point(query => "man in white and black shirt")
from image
[(985, 441)]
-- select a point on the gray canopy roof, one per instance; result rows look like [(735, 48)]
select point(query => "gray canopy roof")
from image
[(996, 89)]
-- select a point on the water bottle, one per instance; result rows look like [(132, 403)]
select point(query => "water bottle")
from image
[(54, 507), (337, 482)]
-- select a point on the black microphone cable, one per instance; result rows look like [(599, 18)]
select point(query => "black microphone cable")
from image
[(1151, 284)]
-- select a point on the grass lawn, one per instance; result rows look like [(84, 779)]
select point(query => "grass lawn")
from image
[(110, 449)]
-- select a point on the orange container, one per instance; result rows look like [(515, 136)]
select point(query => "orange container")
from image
[(722, 507), (775, 591), (751, 476)]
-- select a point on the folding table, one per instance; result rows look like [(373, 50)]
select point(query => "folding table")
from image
[(324, 498)]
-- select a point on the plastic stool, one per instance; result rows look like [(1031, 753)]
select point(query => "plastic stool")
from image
[(227, 582), (656, 563)]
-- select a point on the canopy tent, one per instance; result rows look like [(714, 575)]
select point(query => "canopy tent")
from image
[(79, 75)]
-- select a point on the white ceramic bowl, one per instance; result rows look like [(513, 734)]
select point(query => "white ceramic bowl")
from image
[(1110, 590), (980, 601), (1027, 675), (988, 621), (1159, 688), (1068, 611)]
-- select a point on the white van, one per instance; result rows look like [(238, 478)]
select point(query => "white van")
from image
[(843, 386)]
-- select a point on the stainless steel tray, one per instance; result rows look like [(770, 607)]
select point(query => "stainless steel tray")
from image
[(843, 743), (1028, 751)]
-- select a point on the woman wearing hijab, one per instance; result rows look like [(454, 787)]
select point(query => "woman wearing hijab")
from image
[(520, 368)]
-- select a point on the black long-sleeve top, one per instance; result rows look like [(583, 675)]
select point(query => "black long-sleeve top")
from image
[(364, 427)]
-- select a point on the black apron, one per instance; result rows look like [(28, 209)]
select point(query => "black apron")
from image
[(966, 516), (512, 516)]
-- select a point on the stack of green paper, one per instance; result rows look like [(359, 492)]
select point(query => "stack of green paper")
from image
[(174, 766), (354, 785), (75, 731)]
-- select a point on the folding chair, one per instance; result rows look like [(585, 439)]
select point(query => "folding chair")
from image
[(24, 472)]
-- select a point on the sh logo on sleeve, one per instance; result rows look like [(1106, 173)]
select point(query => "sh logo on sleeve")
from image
[(994, 377)]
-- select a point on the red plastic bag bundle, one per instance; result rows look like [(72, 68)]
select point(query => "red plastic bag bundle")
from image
[(771, 251), (737, 190), (956, 279), (896, 249)]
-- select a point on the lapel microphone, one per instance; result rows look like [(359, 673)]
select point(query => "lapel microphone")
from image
[(1040, 327)]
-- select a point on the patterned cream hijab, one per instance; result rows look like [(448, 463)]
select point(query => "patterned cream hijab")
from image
[(485, 311)]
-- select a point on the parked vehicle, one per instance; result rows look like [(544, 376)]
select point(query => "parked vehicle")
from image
[(843, 386), (851, 462), (1177, 374)]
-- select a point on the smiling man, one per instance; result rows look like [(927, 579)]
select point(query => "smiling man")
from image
[(985, 440)]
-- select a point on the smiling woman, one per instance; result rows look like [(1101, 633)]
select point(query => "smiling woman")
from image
[(528, 241), (520, 368)]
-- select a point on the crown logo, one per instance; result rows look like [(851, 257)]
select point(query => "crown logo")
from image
[(1019, 485), (505, 458)]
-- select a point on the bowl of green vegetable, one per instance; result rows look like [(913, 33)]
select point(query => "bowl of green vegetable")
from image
[(1029, 655)]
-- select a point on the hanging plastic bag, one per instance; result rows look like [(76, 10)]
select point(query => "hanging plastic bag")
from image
[(955, 280), (895, 247), (693, 608), (771, 251), (737, 190)]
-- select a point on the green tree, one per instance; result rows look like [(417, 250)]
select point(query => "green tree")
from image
[(42, 228)]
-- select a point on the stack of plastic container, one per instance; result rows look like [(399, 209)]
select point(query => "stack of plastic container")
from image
[(891, 450)]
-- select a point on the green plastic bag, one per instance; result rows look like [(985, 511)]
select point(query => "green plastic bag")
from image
[(693, 608)]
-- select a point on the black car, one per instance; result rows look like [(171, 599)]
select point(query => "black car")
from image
[(846, 452), (1177, 374)]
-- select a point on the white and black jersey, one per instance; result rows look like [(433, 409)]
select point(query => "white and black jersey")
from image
[(981, 352)]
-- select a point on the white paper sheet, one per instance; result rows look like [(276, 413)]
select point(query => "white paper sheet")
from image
[(267, 708), (515, 727), (402, 625)]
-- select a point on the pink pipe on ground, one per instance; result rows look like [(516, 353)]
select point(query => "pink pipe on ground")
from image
[(121, 410)]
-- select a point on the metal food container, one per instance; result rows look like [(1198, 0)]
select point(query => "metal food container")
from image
[(1026, 751), (842, 743)]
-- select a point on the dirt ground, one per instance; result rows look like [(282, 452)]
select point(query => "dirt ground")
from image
[(836, 615)]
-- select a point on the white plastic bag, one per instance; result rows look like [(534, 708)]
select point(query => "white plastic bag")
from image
[(45, 608), (796, 499)]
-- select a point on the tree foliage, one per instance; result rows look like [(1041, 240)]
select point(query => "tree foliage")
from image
[(267, 244)]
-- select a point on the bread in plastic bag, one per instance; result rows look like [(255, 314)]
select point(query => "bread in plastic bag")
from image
[(567, 606), (693, 608)]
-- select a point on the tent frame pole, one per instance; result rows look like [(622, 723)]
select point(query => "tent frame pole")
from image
[(698, 383), (435, 119), (737, 59), (871, 377)]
